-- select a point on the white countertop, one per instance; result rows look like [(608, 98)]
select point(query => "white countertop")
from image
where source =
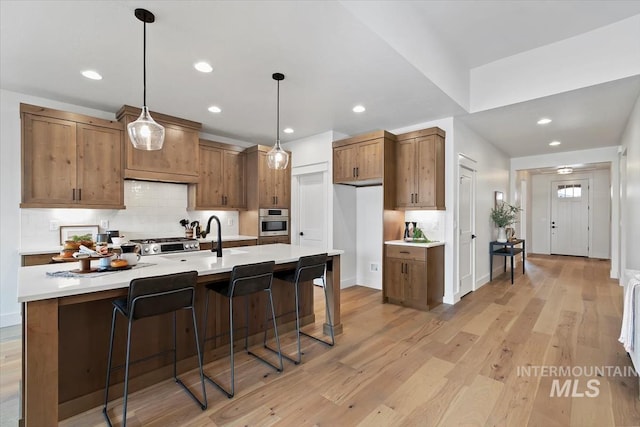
[(209, 239), (422, 245), (34, 284)]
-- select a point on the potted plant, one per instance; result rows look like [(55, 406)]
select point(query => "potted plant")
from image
[(504, 215)]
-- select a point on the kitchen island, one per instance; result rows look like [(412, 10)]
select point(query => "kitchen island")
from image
[(66, 323)]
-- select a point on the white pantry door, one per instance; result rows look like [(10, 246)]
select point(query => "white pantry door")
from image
[(466, 214), (570, 217), (312, 228)]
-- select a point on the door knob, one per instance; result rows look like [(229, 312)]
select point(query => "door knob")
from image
[(473, 236), (301, 233)]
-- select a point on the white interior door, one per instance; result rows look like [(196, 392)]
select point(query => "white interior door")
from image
[(466, 221), (570, 217), (312, 209)]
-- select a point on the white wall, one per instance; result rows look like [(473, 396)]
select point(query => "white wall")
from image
[(492, 174), (599, 212), (369, 236), (604, 54), (345, 231), (631, 225)]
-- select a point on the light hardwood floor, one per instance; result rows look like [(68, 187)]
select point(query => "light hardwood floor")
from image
[(455, 365)]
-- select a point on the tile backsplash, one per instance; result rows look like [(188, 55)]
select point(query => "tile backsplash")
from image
[(432, 223), (154, 209)]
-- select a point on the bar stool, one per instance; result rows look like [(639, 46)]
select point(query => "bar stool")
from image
[(152, 296), (245, 280), (308, 268)]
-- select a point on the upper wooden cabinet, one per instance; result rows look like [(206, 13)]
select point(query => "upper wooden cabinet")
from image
[(177, 161), (222, 183), (266, 188), (360, 160), (420, 169), (274, 185), (70, 160)]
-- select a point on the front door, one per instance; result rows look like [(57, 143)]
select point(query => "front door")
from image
[(466, 247), (570, 217)]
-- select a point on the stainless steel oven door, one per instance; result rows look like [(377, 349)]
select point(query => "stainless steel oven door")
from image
[(274, 226)]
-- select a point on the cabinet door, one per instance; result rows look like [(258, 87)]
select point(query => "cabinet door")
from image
[(394, 279), (415, 289), (266, 183), (282, 187), (49, 166), (234, 179), (405, 173), (344, 163), (430, 172), (370, 160), (209, 191), (270, 240), (99, 166)]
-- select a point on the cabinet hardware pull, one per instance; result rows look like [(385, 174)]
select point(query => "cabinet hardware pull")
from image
[(411, 197), (73, 194), (416, 197), (404, 252), (353, 173), (79, 193), (357, 172)]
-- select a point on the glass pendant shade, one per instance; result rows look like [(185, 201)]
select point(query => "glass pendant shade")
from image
[(145, 133), (277, 158)]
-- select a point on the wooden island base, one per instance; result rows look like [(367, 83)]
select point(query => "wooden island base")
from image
[(66, 341)]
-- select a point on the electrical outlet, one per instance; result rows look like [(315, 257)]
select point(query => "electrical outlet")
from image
[(230, 222), (374, 266), (104, 224), (54, 225)]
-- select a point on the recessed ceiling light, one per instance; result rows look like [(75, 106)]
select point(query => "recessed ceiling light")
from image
[(288, 130), (554, 143), (93, 75), (359, 109), (203, 67), (215, 109), (544, 121)]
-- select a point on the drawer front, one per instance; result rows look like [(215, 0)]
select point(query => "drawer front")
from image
[(407, 252)]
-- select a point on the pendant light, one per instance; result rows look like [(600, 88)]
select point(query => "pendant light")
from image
[(277, 158), (145, 133)]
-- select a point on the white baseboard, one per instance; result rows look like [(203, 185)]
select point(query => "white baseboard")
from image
[(483, 281), (347, 282), (10, 319)]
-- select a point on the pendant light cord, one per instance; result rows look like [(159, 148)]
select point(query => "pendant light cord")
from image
[(144, 65), (278, 115)]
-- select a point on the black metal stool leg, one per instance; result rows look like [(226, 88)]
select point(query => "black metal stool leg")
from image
[(273, 314), (231, 357), (203, 404), (126, 376), (328, 310), (106, 390)]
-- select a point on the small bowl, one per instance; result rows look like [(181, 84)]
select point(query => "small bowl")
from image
[(117, 241)]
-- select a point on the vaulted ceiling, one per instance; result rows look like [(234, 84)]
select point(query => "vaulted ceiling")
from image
[(334, 55)]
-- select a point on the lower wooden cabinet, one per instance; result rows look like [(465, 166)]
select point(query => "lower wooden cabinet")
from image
[(413, 276), (206, 246), (270, 240)]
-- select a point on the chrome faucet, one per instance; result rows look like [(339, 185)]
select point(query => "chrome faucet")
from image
[(218, 248)]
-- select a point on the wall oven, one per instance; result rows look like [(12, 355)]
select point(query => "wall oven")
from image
[(274, 222)]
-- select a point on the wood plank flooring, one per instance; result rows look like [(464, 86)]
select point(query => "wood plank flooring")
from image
[(394, 366)]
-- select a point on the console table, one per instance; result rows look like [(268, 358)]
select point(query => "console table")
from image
[(505, 249)]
